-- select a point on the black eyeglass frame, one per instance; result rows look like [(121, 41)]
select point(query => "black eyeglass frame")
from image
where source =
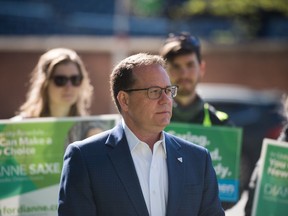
[(61, 80), (166, 89)]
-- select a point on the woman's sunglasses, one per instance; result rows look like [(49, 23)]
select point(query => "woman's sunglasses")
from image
[(61, 81)]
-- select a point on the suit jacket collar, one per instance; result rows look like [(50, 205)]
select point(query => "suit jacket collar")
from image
[(175, 164), (119, 153)]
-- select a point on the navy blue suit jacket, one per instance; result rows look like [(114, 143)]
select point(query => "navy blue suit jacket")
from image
[(99, 178)]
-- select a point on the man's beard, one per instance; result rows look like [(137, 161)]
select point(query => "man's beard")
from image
[(185, 91)]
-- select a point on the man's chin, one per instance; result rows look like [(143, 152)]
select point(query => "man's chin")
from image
[(164, 123), (185, 90), (184, 93)]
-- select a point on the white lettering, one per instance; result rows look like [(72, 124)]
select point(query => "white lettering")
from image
[(18, 170), (276, 191), (226, 188), (222, 171), (18, 151), (44, 168)]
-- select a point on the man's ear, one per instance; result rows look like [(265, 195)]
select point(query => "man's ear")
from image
[(123, 99), (202, 68)]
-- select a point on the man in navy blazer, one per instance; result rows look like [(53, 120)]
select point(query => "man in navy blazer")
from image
[(136, 168)]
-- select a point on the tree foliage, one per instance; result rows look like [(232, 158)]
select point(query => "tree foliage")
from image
[(252, 16), (146, 7), (233, 7)]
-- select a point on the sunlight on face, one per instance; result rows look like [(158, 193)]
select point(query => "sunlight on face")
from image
[(68, 94), (144, 113)]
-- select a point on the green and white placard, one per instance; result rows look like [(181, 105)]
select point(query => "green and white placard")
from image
[(224, 145), (271, 195), (31, 158)]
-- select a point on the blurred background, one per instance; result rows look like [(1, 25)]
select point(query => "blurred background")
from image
[(244, 44)]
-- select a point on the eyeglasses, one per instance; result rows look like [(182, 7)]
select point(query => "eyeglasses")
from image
[(61, 81), (154, 93)]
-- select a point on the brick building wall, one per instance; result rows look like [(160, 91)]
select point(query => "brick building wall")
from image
[(251, 66)]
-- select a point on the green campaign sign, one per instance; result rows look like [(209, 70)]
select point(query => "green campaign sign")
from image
[(271, 195), (224, 145), (31, 158)]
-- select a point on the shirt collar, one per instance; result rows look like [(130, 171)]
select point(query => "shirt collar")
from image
[(133, 141)]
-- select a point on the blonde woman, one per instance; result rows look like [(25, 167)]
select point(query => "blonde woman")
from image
[(59, 87)]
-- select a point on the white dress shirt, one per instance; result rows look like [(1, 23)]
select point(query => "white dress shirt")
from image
[(151, 170)]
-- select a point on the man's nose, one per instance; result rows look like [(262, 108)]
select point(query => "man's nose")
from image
[(183, 71), (165, 96)]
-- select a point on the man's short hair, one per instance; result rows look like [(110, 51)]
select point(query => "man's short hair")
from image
[(181, 44), (122, 75)]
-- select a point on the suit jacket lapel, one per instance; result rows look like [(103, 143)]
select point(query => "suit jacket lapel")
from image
[(121, 158), (175, 164)]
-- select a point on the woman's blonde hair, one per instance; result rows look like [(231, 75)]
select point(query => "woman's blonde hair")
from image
[(37, 101)]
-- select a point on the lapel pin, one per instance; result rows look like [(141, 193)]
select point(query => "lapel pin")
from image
[(180, 159)]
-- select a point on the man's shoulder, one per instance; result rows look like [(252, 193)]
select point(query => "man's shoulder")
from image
[(93, 142), (193, 153), (182, 143)]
